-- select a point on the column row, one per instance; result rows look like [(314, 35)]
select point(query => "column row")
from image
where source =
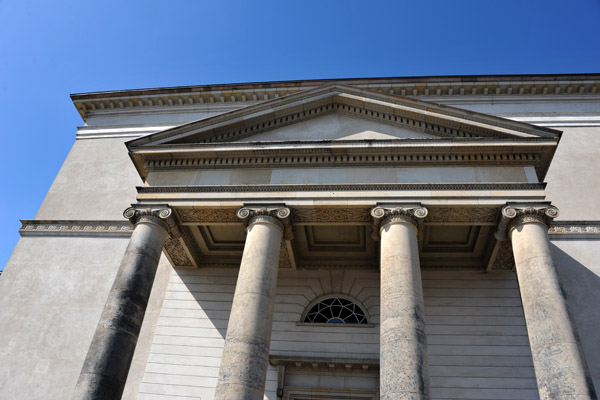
[(560, 368)]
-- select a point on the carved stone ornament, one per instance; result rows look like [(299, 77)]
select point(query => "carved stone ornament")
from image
[(575, 230), (383, 214), (523, 213), (207, 215), (75, 228), (463, 214), (502, 259), (176, 254), (331, 214), (277, 214), (157, 214)]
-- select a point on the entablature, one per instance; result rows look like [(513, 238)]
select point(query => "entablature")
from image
[(459, 237), (535, 152)]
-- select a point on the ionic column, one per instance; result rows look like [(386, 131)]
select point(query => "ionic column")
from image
[(404, 370), (560, 367), (109, 357), (245, 356)]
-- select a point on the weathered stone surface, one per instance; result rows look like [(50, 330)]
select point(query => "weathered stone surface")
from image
[(245, 357), (561, 370), (404, 366), (107, 363)]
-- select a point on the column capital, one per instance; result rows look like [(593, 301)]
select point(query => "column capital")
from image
[(276, 214), (514, 214), (383, 214), (161, 215)]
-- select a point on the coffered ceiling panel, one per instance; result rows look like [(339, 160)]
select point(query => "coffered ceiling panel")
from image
[(318, 245)]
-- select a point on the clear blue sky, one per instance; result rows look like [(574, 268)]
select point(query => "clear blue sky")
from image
[(49, 49)]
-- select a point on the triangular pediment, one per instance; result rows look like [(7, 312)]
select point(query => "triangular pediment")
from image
[(334, 112), (337, 126)]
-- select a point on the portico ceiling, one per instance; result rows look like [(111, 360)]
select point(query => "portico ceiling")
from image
[(450, 238)]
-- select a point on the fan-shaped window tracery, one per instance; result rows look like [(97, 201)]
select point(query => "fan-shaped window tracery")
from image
[(336, 310)]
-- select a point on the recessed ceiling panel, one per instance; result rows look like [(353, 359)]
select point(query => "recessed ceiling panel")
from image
[(335, 245), (220, 240), (451, 239), (456, 246)]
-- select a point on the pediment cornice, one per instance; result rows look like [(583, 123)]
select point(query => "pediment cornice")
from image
[(416, 115)]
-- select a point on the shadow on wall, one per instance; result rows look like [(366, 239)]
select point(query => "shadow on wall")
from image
[(582, 287), (201, 304)]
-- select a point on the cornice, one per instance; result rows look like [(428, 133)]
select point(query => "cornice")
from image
[(367, 157), (342, 187), (453, 87), (75, 228), (535, 152), (574, 230), (340, 145)]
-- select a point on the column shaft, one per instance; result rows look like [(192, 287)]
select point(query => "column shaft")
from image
[(109, 357), (245, 356), (404, 372), (560, 368)]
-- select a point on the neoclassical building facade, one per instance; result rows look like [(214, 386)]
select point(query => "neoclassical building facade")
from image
[(385, 238)]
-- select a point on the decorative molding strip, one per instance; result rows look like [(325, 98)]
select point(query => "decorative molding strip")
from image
[(325, 363), (543, 87), (341, 215), (574, 230), (331, 215), (207, 215), (463, 214), (351, 160), (75, 228), (342, 187)]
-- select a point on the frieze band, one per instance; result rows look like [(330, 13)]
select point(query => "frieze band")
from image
[(75, 228)]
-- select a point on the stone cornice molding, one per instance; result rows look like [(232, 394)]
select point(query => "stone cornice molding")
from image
[(326, 363), (498, 87), (341, 187), (418, 152), (384, 214), (276, 214), (75, 228), (161, 215), (513, 215), (574, 230)]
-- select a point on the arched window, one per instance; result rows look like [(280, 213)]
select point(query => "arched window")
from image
[(336, 310)]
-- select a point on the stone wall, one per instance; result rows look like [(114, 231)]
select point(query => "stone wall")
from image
[(478, 346)]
